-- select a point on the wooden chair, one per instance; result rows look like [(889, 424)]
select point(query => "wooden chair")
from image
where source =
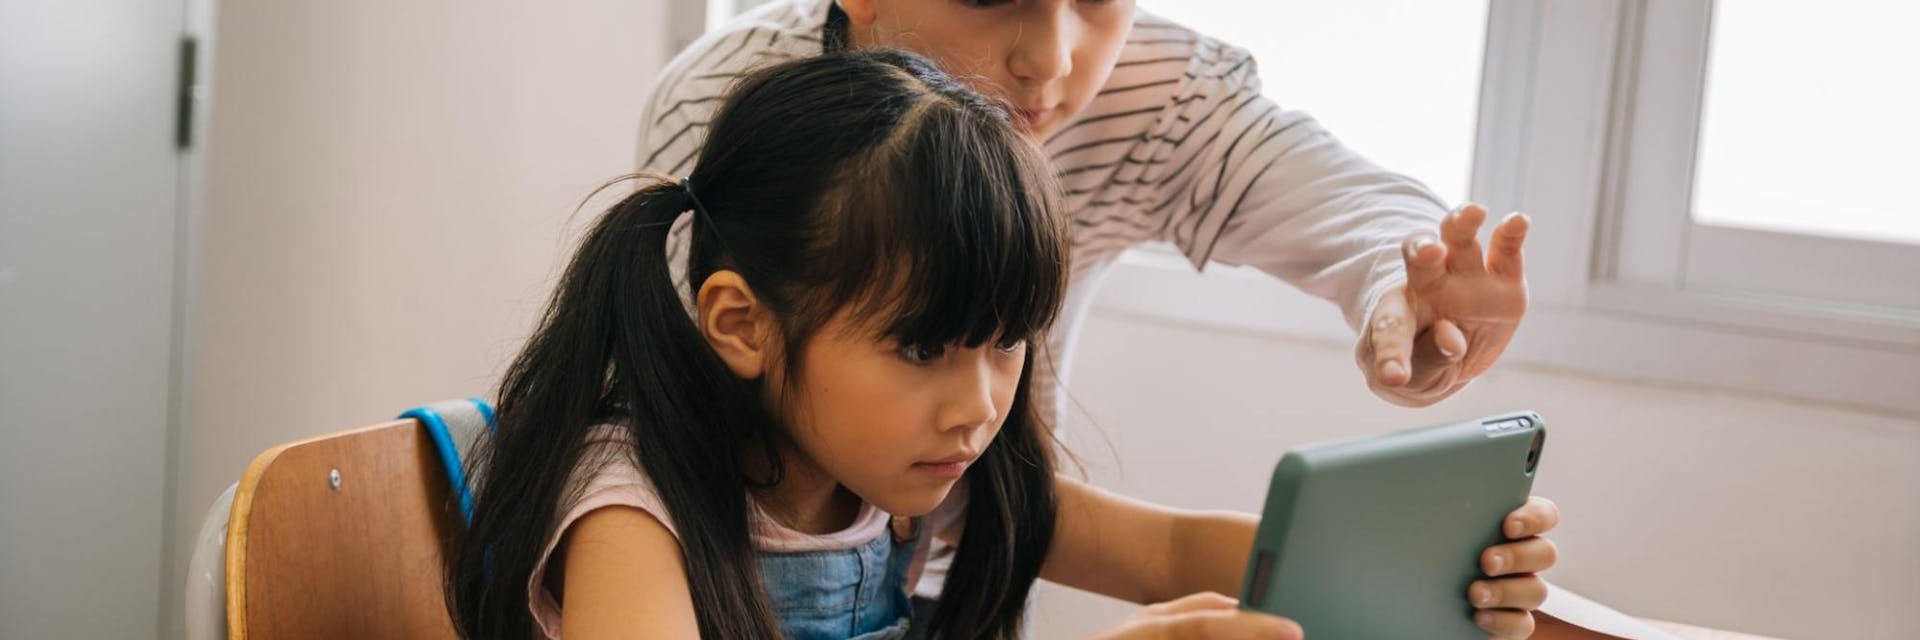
[(340, 536)]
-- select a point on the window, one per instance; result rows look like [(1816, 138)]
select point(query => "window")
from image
[(1813, 134), (1398, 80), (1758, 178), (1692, 226)]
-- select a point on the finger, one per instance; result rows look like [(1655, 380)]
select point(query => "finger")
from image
[(1504, 623), (1518, 592), (1461, 233), (1390, 333), (1226, 625), (1539, 515), (1448, 340), (1430, 376), (1204, 601), (1505, 260), (1426, 261), (1531, 555)]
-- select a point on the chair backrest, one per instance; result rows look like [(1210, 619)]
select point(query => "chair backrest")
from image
[(456, 427), (342, 536), (206, 588)]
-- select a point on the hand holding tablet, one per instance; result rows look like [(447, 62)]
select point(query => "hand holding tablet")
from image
[(1390, 536)]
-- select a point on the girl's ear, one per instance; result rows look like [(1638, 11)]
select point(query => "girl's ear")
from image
[(860, 12), (735, 324)]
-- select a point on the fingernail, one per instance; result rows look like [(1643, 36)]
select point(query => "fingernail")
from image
[(1482, 595), (1393, 369), (1499, 561), (1446, 352), (1519, 528), (1484, 619)]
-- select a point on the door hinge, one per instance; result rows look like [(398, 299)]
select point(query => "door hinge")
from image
[(184, 93)]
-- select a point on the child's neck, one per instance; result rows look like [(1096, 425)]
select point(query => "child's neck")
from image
[(808, 500)]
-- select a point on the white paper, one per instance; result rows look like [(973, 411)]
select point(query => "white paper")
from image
[(1578, 611)]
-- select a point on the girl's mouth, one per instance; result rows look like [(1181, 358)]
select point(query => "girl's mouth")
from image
[(946, 470), (949, 467)]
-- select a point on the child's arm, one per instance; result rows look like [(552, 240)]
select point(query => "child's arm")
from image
[(1141, 552), (616, 582)]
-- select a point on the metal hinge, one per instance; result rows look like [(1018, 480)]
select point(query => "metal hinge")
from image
[(184, 94)]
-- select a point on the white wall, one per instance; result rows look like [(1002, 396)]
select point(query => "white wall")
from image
[(1718, 509), (390, 186)]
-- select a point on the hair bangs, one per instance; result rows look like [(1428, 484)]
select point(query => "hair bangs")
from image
[(970, 248)]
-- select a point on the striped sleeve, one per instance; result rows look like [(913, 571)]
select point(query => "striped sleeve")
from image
[(1183, 146), (1271, 189), (674, 123), (690, 89)]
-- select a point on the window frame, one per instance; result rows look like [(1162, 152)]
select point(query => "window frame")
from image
[(1654, 256), (1556, 115)]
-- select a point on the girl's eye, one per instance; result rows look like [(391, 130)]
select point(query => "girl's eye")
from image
[(920, 354), (1009, 345)]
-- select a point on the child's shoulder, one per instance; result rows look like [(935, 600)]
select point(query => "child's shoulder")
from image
[(688, 91), (1166, 85), (607, 475), (1167, 50), (770, 33)]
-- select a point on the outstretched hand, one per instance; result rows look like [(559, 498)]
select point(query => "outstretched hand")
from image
[(1454, 316)]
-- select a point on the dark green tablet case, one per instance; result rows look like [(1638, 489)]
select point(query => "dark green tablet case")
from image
[(1378, 538)]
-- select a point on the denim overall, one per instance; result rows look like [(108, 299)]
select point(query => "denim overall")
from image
[(849, 594)]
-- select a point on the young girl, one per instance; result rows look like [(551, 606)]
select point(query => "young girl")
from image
[(873, 247)]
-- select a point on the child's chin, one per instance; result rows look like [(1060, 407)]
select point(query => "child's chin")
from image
[(913, 504)]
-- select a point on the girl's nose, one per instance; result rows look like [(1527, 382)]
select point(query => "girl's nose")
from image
[(972, 399), (1043, 51)]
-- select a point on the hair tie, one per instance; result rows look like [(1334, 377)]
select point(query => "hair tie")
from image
[(686, 185), (700, 210)]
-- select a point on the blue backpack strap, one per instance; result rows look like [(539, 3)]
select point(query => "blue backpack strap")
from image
[(455, 427)]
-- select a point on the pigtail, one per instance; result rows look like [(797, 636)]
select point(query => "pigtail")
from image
[(616, 345)]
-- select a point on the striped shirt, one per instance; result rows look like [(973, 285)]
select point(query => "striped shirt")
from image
[(1179, 146)]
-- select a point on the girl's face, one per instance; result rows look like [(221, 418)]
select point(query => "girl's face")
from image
[(895, 424), (1047, 58)]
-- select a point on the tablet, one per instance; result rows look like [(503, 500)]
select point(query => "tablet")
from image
[(1379, 537)]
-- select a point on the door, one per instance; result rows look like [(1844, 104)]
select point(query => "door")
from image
[(89, 186)]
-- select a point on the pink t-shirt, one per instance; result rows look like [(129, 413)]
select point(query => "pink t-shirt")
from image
[(608, 477)]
